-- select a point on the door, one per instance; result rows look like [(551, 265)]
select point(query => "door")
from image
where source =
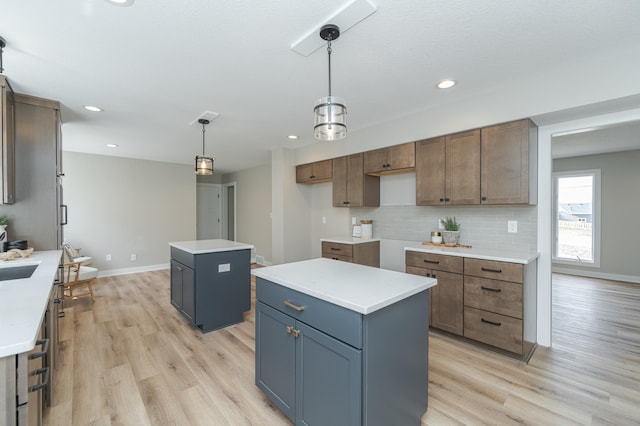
[(340, 182), (447, 306), (176, 284), (329, 380), (276, 357), (208, 223), (430, 165), (229, 197), (463, 168)]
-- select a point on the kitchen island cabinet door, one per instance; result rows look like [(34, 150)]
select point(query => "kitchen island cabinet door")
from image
[(183, 292), (329, 377), (276, 357)]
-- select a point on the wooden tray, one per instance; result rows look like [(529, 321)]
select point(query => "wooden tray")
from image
[(426, 243)]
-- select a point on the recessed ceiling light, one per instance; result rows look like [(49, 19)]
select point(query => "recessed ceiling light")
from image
[(445, 84), (121, 2), (92, 108), (292, 137), (112, 145)]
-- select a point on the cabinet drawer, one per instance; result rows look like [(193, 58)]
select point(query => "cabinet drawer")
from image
[(337, 257), (501, 297), (334, 320), (438, 262), (494, 269), (414, 270), (337, 248), (183, 257), (493, 329)]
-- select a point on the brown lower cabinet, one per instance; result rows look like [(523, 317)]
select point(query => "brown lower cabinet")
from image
[(447, 297), (362, 253), (488, 301)]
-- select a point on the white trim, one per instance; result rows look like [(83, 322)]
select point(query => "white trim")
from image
[(545, 213), (596, 209), (225, 219), (596, 274), (125, 271)]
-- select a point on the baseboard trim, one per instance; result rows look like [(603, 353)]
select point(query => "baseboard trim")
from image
[(595, 274), (125, 271)]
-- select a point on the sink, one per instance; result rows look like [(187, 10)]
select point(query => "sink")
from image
[(17, 272)]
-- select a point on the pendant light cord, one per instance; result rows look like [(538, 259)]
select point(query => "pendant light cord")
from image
[(329, 54), (203, 124)]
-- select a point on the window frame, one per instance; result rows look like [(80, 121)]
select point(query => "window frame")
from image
[(596, 218)]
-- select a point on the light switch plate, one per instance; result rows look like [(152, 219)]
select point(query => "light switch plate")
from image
[(512, 226), (224, 267), (353, 220)]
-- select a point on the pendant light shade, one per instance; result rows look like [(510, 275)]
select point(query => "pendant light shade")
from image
[(330, 112), (204, 164)]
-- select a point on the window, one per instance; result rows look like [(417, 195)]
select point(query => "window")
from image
[(577, 217)]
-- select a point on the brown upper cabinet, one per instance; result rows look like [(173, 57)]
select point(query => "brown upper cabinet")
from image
[(391, 160), (318, 172), (351, 187), (510, 163), (448, 170), (7, 143)]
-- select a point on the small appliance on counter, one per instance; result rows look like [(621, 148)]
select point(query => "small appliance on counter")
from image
[(20, 245)]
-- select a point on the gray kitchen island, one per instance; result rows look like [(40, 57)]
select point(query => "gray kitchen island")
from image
[(211, 281), (343, 344)]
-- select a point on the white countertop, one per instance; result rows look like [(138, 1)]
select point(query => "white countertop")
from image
[(486, 254), (349, 240), (24, 302), (363, 289), (210, 246)]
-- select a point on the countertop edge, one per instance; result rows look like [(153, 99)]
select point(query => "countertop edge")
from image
[(523, 258), (349, 240)]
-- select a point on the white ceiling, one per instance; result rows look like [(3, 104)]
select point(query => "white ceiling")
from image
[(156, 66)]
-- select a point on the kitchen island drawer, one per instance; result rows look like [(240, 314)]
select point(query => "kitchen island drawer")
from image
[(494, 269), (494, 329), (501, 297), (339, 322), (434, 261), (337, 248)]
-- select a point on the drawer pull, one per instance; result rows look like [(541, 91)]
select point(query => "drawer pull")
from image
[(435, 262), (491, 270), (496, 323), (45, 373), (292, 306), (497, 290), (335, 258), (289, 329), (45, 349), (336, 248)]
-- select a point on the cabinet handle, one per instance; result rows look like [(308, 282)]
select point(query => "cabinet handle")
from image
[(45, 373), (45, 349), (497, 290), (292, 306), (431, 261), (497, 271), (446, 199), (178, 268), (296, 333), (65, 209), (442, 200), (312, 177), (335, 258), (336, 248), (289, 329), (484, 198), (497, 324)]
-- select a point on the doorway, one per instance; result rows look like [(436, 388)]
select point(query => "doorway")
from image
[(208, 211), (229, 196)]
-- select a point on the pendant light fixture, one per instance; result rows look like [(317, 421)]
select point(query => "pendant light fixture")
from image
[(204, 165), (330, 112)]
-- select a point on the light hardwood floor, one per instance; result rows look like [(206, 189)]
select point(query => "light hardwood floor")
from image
[(131, 359)]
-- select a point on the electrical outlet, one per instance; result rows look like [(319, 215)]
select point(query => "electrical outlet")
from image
[(134, 257), (324, 219), (512, 226), (353, 220), (108, 258)]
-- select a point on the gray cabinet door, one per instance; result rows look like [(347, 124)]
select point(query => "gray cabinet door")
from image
[(328, 380), (276, 357), (176, 284), (189, 293)]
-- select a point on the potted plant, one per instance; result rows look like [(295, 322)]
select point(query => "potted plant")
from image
[(4, 221), (451, 233)]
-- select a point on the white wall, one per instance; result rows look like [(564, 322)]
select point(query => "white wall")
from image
[(620, 204), (253, 208), (121, 206)]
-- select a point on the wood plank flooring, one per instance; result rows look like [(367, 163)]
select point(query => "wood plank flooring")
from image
[(131, 359)]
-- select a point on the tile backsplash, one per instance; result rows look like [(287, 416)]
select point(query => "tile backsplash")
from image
[(481, 226)]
